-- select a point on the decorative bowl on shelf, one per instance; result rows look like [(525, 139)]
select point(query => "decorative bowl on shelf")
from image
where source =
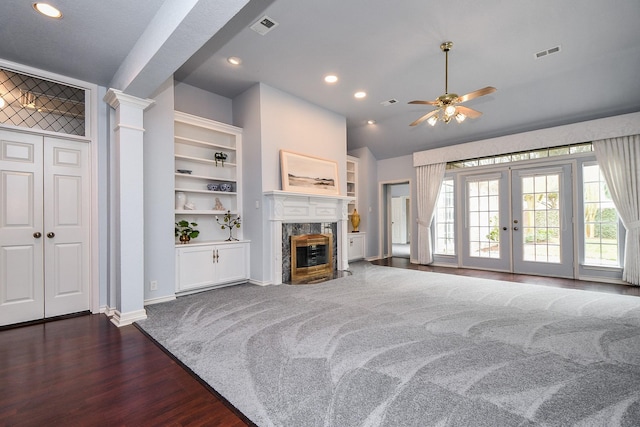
[(213, 187), (187, 171), (225, 186)]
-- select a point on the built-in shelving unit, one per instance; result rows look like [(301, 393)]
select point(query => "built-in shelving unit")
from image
[(209, 260), (352, 183), (356, 240), (197, 140)]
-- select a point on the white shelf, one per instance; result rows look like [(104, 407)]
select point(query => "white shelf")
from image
[(205, 161), (207, 178), (200, 143), (202, 212), (188, 190)]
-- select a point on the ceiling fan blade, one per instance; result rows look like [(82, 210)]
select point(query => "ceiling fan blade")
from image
[(423, 118), (424, 102), (480, 92), (469, 112)]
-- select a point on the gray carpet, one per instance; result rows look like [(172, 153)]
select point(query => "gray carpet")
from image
[(393, 347)]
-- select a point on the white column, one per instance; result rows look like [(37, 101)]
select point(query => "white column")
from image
[(128, 185)]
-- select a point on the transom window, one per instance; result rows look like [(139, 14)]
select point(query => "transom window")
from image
[(35, 103)]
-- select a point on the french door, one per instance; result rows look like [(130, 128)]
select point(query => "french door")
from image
[(44, 227), (520, 220)]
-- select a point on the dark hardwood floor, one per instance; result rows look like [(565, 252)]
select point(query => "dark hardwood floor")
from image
[(520, 278), (85, 371)]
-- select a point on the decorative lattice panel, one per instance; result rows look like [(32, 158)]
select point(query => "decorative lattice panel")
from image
[(35, 103)]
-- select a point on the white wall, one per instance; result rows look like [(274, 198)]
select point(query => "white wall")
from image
[(192, 100), (290, 123), (159, 240), (246, 112), (273, 120)]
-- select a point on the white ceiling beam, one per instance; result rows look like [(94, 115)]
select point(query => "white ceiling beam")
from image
[(178, 30)]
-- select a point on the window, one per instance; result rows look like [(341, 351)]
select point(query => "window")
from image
[(601, 246), (35, 103), (444, 220)]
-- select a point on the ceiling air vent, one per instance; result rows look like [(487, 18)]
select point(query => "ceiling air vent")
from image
[(547, 52), (389, 102), (264, 25)]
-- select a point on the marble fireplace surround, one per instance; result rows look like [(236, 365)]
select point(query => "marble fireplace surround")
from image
[(285, 207)]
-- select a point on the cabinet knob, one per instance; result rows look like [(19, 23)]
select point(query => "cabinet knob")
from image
[(37, 234)]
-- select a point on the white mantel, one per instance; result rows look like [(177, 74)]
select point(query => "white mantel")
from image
[(288, 207)]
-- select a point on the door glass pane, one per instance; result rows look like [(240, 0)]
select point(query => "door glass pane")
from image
[(484, 218), (541, 218)]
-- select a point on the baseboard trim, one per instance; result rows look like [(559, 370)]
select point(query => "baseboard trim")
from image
[(124, 319), (109, 311), (260, 283), (159, 300)]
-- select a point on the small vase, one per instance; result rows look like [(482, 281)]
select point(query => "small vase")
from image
[(184, 239), (181, 199), (355, 220)]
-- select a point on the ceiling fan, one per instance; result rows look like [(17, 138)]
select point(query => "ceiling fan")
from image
[(448, 104)]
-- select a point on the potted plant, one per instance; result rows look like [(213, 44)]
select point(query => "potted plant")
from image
[(186, 231)]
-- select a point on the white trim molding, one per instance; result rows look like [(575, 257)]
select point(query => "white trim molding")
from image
[(124, 319), (609, 127)]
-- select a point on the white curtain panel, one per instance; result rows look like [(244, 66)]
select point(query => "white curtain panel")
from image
[(428, 186), (619, 160)]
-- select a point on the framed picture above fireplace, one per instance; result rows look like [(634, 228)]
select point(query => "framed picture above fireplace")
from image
[(308, 174)]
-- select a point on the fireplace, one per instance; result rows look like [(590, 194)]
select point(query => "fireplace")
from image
[(311, 257), (295, 214)]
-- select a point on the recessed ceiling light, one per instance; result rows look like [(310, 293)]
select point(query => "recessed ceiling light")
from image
[(234, 60), (330, 78), (2, 102), (47, 10), (371, 122), (360, 94)]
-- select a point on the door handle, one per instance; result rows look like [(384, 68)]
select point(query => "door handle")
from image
[(504, 228), (515, 228), (51, 234), (37, 234)]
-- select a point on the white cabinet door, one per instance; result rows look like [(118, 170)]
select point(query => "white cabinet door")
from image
[(195, 267), (21, 211), (356, 246), (232, 262), (207, 265)]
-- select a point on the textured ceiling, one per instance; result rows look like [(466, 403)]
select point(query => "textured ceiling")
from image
[(388, 49)]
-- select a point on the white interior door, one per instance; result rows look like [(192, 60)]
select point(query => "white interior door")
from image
[(21, 228), (398, 220), (44, 227), (66, 187)]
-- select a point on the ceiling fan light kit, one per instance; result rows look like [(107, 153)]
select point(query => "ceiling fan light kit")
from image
[(447, 104)]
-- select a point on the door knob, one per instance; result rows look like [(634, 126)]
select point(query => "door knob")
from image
[(515, 228), (37, 234), (51, 234), (504, 228)]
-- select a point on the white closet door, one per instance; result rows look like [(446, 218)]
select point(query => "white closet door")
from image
[(21, 228), (66, 220)]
